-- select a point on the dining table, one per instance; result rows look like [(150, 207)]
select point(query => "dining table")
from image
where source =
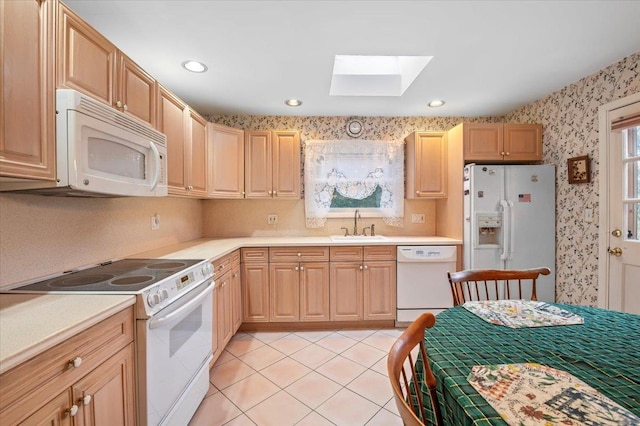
[(603, 352)]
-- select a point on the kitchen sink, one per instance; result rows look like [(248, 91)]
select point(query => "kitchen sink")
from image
[(357, 238)]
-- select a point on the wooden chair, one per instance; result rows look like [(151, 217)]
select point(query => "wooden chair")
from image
[(494, 284), (402, 373)]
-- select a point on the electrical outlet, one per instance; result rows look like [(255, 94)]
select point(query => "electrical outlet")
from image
[(272, 219), (417, 218), (155, 222)]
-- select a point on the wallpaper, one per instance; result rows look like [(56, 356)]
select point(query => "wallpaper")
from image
[(569, 119)]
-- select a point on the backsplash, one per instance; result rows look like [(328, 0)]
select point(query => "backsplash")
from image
[(248, 218), (570, 129), (46, 235)]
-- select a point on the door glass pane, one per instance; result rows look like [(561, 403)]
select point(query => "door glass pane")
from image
[(631, 184)]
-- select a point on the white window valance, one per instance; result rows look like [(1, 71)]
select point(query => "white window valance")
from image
[(341, 171)]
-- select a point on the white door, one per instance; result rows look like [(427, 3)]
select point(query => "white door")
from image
[(620, 251)]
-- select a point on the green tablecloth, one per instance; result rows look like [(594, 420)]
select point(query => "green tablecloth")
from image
[(604, 352)]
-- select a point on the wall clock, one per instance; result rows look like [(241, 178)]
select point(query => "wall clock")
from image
[(354, 127)]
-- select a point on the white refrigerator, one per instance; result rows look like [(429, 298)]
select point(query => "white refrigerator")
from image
[(509, 220)]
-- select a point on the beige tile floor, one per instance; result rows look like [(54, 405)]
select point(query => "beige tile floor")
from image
[(313, 378)]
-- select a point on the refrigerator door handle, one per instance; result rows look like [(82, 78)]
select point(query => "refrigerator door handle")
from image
[(512, 234), (506, 230)]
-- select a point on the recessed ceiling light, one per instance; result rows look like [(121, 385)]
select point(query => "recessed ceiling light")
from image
[(293, 102), (194, 66), (436, 103)]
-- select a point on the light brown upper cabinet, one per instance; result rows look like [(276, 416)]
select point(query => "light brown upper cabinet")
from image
[(426, 165), (27, 111), (226, 161), (186, 145), (510, 142), (91, 64), (272, 164)]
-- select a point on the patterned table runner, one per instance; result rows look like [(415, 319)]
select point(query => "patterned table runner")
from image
[(534, 394), (522, 313)]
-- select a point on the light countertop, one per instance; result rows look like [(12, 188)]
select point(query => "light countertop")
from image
[(207, 248), (31, 324)]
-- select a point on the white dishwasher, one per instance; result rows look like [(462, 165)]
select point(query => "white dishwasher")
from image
[(422, 283)]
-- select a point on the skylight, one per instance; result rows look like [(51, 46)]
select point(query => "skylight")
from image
[(360, 75)]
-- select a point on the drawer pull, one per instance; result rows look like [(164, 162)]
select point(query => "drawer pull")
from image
[(74, 363), (86, 400), (72, 411)]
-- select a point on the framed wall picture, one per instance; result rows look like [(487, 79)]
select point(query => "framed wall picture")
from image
[(579, 169)]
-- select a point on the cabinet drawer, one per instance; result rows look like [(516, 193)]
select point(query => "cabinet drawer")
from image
[(47, 374), (225, 263), (299, 254), (380, 253), (255, 254), (348, 253)]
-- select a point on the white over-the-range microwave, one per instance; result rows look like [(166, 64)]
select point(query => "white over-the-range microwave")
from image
[(102, 152)]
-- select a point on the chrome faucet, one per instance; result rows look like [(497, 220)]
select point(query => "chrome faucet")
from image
[(356, 216)]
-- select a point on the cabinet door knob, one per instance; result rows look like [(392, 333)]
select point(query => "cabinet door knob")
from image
[(125, 107), (270, 192), (366, 267), (502, 153), (297, 269), (118, 104), (417, 192), (74, 363), (507, 153), (86, 400), (361, 268), (302, 268), (275, 193), (72, 411)]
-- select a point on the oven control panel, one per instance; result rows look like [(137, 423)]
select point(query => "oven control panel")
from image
[(163, 293)]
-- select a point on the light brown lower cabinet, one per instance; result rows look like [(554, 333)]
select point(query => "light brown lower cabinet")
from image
[(255, 284), (363, 283), (97, 390), (299, 291), (299, 284), (226, 301), (102, 397)]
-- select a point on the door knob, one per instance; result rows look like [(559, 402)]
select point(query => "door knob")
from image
[(616, 233), (617, 252)]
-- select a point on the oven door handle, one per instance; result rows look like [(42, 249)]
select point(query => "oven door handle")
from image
[(156, 322)]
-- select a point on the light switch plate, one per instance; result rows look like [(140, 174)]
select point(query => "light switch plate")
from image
[(588, 215)]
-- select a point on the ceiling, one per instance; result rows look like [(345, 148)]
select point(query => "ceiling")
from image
[(489, 57)]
